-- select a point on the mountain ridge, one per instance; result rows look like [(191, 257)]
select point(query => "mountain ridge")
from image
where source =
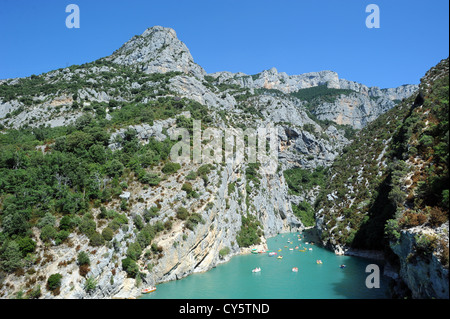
[(90, 146)]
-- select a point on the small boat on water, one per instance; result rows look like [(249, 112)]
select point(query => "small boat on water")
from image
[(342, 266), (295, 269), (302, 250), (148, 290), (310, 248), (257, 269), (280, 257), (319, 262), (272, 254)]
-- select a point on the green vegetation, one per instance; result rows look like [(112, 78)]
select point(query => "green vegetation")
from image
[(250, 231), (54, 283), (90, 284), (301, 180), (305, 213), (171, 168), (252, 175), (393, 176), (320, 93), (56, 191), (224, 251)]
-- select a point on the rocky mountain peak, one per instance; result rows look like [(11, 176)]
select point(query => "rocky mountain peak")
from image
[(158, 49)]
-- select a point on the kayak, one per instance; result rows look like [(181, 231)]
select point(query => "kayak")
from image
[(148, 290)]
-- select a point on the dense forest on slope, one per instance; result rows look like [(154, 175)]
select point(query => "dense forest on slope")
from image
[(51, 178)]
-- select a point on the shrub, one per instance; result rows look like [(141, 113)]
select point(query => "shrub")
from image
[(48, 232), (224, 251), (151, 179), (130, 267), (193, 220), (26, 245), (413, 219), (107, 234), (392, 230), (48, 219), (426, 140), (54, 282), (204, 169), (96, 239), (425, 244), (90, 284), (61, 236), (170, 168), (87, 225), (191, 176), (182, 213), (438, 216), (138, 222), (114, 168), (66, 223), (11, 258), (83, 258), (187, 187), (134, 251), (35, 293)]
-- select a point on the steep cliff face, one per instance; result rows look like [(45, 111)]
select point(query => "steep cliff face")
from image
[(389, 189), (422, 271)]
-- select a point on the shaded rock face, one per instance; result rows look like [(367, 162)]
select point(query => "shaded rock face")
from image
[(423, 274), (158, 50)]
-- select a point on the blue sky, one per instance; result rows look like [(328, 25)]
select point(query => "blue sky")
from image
[(295, 36)]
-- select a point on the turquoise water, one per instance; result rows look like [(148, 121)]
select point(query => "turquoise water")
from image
[(276, 280)]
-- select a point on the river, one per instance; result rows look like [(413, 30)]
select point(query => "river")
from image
[(276, 280)]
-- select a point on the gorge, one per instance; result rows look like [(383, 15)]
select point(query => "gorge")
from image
[(89, 192)]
